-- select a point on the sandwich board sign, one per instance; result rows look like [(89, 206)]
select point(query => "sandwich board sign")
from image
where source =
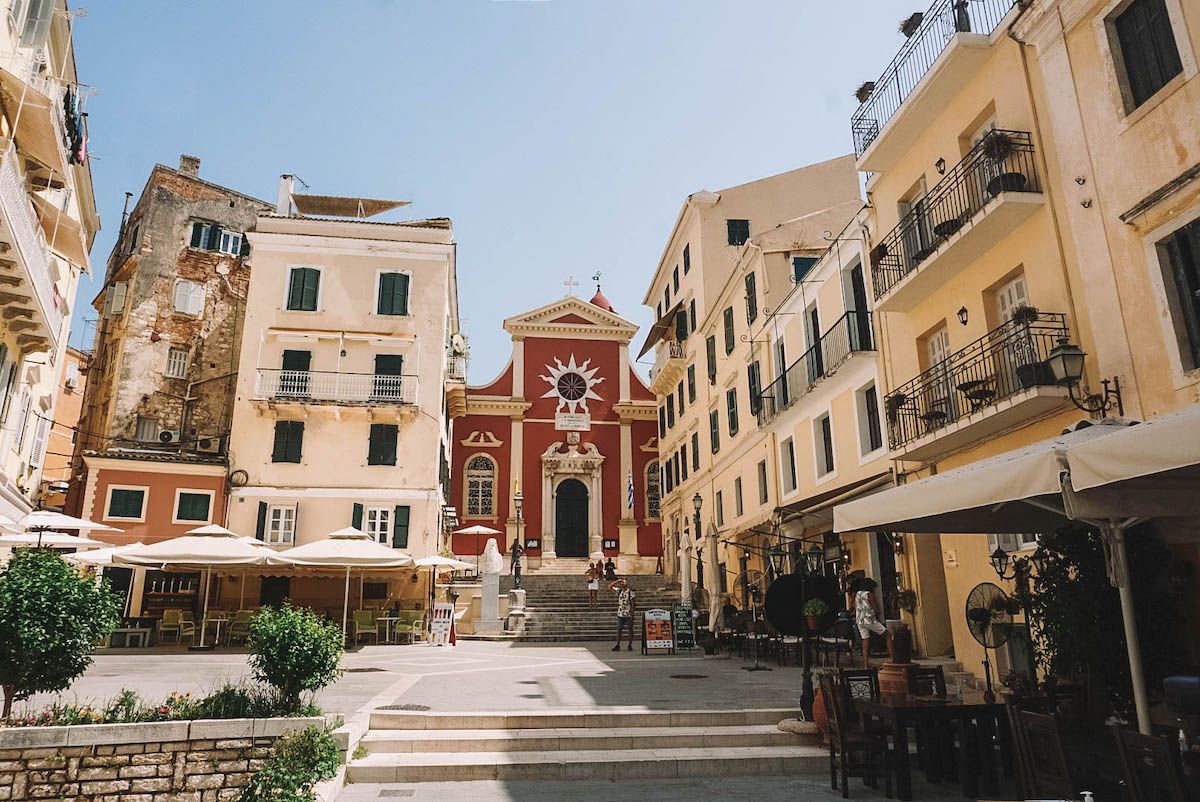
[(656, 632), (443, 620)]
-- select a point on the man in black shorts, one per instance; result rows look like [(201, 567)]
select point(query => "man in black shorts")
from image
[(626, 608)]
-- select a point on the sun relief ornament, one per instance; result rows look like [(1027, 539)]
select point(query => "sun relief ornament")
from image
[(572, 385)]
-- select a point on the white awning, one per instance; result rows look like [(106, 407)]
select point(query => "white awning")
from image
[(1166, 448)]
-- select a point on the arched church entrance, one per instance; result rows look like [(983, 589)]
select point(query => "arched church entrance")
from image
[(571, 519)]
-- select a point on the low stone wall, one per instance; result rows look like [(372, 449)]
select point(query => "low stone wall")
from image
[(171, 761)]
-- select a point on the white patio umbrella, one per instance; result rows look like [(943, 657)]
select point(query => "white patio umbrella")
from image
[(49, 521), (101, 558), (199, 549), (1129, 472), (57, 539), (478, 530), (346, 548)]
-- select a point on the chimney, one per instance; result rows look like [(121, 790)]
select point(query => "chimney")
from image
[(189, 166), (283, 201)]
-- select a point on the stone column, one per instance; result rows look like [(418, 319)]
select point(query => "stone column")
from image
[(548, 493)]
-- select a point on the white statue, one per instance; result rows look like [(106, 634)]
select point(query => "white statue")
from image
[(492, 562)]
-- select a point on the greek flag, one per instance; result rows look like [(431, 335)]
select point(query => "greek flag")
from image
[(630, 504)]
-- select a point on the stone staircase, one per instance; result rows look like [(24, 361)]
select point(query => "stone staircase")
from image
[(557, 605), (605, 743)]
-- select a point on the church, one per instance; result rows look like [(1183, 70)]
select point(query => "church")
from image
[(569, 429)]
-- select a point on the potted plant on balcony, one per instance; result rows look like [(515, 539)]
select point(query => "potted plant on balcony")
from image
[(814, 609), (1031, 371), (997, 147), (910, 24), (864, 91), (892, 405)]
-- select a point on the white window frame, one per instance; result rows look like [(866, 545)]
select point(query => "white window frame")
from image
[(739, 504), (291, 532), (108, 503), (175, 297), (383, 514), (1158, 266), (287, 284), (819, 448), (787, 469), (195, 491), (183, 373), (235, 240), (375, 296), (1013, 543), (861, 429)]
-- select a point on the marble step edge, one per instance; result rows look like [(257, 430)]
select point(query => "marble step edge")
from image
[(575, 718), (571, 738)]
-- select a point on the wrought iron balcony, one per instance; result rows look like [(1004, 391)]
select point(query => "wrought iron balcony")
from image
[(975, 381), (851, 333), (939, 25), (1002, 162), (320, 387), (667, 350)]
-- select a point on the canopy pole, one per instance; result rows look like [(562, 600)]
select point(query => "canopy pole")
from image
[(346, 604), (1114, 535), (204, 619), (242, 592)]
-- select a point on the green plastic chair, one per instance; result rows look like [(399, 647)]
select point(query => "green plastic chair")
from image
[(240, 627), (364, 624)]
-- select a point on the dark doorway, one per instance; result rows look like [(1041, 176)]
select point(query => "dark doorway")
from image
[(389, 381), (274, 591), (887, 575), (293, 381), (571, 519), (860, 327)]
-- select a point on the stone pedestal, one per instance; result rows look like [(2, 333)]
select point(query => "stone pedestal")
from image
[(489, 611), (516, 612)]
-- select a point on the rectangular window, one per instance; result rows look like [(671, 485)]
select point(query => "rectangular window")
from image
[(677, 468), (393, 293), (378, 523), (675, 278), (751, 300), (800, 267), (870, 431), (211, 237), (714, 430), (1148, 50), (824, 443), (787, 456), (711, 349), (189, 297), (658, 312), (720, 509), (695, 451), (687, 258), (281, 524), (193, 506), (1183, 290), (681, 325), (147, 430), (667, 297), (762, 482), (381, 449), (728, 318), (738, 509), (691, 381), (289, 441), (668, 476), (126, 503), (670, 410), (304, 289), (737, 231), (731, 410), (692, 315), (400, 516), (231, 243), (754, 382), (679, 394), (662, 422), (683, 466), (177, 359)]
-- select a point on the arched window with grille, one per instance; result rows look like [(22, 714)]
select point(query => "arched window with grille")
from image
[(653, 491), (481, 487)]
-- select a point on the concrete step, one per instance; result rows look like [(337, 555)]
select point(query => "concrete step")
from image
[(584, 738), (721, 761), (576, 718)]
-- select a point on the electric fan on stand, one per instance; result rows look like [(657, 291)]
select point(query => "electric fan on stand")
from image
[(990, 621)]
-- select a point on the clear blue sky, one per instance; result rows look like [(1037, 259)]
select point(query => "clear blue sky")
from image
[(561, 136)]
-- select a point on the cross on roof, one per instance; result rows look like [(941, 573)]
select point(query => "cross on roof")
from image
[(571, 284)]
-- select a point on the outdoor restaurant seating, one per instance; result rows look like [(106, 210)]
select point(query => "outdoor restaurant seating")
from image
[(239, 629), (364, 624), (1045, 771), (176, 621), (837, 639), (1151, 767), (853, 751)]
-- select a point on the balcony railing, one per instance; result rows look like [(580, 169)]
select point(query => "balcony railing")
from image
[(311, 386), (456, 368), (1004, 362), (670, 350), (941, 22), (851, 333), (30, 241), (1003, 161)]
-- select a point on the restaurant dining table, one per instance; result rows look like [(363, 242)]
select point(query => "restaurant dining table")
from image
[(979, 722)]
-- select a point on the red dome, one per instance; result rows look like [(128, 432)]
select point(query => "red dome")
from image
[(599, 300)]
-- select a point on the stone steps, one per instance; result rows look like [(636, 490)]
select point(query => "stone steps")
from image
[(604, 743)]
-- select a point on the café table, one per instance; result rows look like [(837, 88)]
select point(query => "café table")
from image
[(217, 618), (978, 721)]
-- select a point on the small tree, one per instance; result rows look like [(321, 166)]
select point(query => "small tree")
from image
[(294, 650), (50, 615)]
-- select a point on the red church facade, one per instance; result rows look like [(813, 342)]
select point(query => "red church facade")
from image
[(568, 423)]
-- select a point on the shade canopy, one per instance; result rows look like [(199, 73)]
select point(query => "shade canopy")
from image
[(1161, 450), (345, 548), (32, 113), (58, 540), (47, 519), (437, 561), (101, 558), (478, 530), (203, 551)]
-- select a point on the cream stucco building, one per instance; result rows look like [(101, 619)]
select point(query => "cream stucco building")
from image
[(341, 416)]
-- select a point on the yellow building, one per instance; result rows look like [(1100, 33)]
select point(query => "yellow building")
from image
[(728, 262), (341, 416)]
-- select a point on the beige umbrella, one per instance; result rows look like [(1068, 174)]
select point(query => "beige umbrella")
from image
[(434, 562), (50, 539), (346, 548), (100, 558)]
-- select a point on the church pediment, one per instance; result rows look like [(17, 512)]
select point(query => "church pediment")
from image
[(571, 315)]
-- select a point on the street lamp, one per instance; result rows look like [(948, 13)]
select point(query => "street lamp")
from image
[(776, 555), (1066, 363), (1021, 566), (816, 555), (697, 503), (518, 505)]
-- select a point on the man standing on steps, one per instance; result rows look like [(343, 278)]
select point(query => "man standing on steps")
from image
[(626, 609)]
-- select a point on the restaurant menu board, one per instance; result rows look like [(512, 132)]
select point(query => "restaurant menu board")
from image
[(657, 632), (683, 624), (443, 617)]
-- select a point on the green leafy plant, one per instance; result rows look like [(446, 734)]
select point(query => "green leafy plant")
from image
[(294, 650), (297, 762), (1025, 314), (906, 599), (815, 607), (50, 617), (1018, 683)]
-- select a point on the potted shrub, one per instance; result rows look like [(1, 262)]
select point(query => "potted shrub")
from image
[(907, 599), (818, 710), (909, 25), (892, 405), (1018, 685), (815, 609), (864, 91), (1031, 372), (997, 146), (1024, 315)]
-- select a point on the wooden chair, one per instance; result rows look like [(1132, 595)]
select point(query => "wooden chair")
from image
[(1043, 760), (838, 638), (853, 751), (859, 683), (937, 740), (1153, 772)]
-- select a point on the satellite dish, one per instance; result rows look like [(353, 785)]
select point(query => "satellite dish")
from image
[(239, 478), (458, 343)]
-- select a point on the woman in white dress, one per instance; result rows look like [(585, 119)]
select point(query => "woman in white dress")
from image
[(593, 578)]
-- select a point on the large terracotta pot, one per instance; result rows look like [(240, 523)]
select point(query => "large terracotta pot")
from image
[(819, 715), (893, 680)]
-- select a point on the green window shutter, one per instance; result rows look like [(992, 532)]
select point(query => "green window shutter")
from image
[(714, 430), (261, 531), (295, 289), (245, 248), (751, 299), (691, 383), (400, 304), (295, 440), (387, 285), (197, 235), (193, 507), (289, 439), (687, 258), (356, 517), (126, 503), (728, 315), (400, 527), (711, 345), (681, 325), (279, 449), (382, 444), (214, 238), (732, 410), (754, 380), (312, 286)]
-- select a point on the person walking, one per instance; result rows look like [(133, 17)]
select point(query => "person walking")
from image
[(593, 580), (626, 609), (515, 561), (866, 618)]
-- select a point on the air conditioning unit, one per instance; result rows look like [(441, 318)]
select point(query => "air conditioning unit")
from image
[(168, 437), (72, 382), (209, 445)]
